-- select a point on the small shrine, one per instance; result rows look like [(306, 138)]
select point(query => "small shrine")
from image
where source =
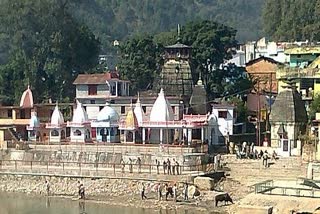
[(288, 120), (57, 126), (130, 127), (107, 125), (34, 128), (80, 126), (161, 113)]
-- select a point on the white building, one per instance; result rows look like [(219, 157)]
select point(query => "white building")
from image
[(80, 126), (106, 125), (225, 118), (57, 126)]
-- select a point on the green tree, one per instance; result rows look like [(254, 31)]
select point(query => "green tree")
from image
[(314, 107), (139, 63), (286, 20), (47, 49)]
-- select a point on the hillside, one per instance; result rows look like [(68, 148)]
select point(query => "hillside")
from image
[(118, 19)]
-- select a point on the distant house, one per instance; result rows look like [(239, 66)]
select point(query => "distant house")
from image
[(263, 72), (93, 90), (302, 56), (96, 88)]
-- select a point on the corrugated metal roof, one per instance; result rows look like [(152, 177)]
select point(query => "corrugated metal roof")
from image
[(93, 79)]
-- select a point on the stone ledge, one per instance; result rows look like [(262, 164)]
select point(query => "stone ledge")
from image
[(245, 209)]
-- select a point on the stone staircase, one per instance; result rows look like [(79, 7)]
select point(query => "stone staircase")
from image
[(253, 170)]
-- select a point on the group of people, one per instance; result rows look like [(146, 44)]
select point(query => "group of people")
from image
[(169, 167), (81, 189), (165, 190)]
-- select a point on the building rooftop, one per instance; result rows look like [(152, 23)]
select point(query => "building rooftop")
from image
[(178, 45), (288, 107), (262, 58), (94, 79), (303, 50)]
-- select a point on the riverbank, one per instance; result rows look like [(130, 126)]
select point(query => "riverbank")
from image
[(117, 192)]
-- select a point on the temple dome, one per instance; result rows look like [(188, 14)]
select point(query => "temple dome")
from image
[(108, 114), (161, 110), (57, 117), (138, 111), (26, 100), (34, 120), (79, 114)]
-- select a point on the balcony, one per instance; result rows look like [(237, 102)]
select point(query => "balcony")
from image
[(10, 122), (297, 73)]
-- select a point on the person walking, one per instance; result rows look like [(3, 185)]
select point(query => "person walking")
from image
[(174, 166), (169, 166), (175, 193), (81, 191), (168, 191), (139, 164), (47, 187), (130, 165), (143, 192), (157, 165), (123, 164), (265, 159), (186, 198), (177, 167), (164, 167), (159, 190)]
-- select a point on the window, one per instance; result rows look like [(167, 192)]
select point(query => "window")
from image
[(92, 102), (77, 133), (173, 109), (54, 133), (223, 114), (9, 113), (92, 89), (123, 109), (144, 108)]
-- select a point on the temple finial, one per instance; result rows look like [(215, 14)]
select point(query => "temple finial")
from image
[(178, 38)]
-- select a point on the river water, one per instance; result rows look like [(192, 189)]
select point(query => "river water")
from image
[(12, 203)]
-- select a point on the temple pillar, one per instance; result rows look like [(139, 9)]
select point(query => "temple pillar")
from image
[(202, 134), (116, 89), (161, 135), (144, 135), (189, 137), (134, 136), (14, 114)]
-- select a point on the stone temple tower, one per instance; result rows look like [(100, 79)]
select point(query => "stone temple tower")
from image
[(175, 77)]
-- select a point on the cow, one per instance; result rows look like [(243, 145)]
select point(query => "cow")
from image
[(223, 197)]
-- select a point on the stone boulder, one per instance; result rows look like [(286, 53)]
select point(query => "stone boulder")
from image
[(193, 191), (204, 183)]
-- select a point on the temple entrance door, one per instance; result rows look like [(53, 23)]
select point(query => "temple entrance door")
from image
[(104, 134), (285, 147)]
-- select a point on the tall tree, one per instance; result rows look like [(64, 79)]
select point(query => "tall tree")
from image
[(139, 63), (47, 48)]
